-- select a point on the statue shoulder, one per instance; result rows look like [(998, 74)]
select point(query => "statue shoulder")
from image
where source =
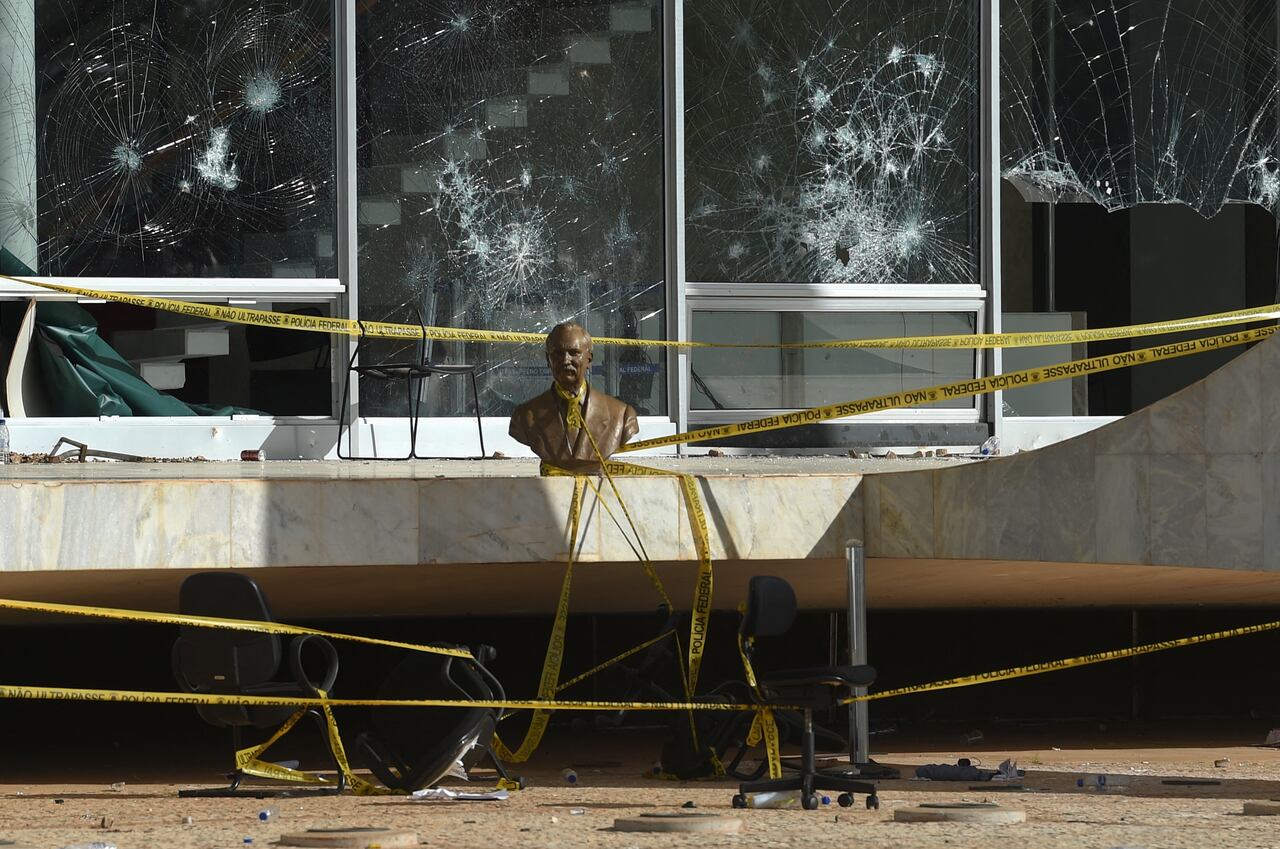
[(616, 406), (533, 405), (620, 411), (528, 418)]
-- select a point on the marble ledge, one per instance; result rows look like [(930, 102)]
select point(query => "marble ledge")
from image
[(160, 524)]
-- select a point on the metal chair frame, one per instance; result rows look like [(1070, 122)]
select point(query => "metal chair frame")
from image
[(413, 372)]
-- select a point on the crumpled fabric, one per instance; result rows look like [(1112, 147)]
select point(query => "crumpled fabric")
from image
[(953, 772)]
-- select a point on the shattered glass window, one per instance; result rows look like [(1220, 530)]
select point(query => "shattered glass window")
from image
[(1138, 151), (510, 178), (1147, 101), (167, 138), (831, 142)]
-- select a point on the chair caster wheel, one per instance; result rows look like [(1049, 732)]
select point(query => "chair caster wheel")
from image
[(845, 800), (810, 802), (873, 803), (739, 800)]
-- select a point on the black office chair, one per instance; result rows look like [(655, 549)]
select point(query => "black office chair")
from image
[(410, 748), (221, 661), (771, 608), (413, 371)]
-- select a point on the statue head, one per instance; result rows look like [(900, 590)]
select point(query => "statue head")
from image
[(569, 355)]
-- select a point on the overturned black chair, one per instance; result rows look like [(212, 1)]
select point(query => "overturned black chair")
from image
[(771, 608), (230, 662), (414, 371), (409, 748)]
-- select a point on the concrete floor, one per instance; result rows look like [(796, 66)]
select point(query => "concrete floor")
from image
[(75, 808)]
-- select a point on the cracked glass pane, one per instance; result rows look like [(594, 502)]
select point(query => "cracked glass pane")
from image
[(510, 178), (831, 142), (1138, 148), (772, 379), (1146, 101), (165, 138)]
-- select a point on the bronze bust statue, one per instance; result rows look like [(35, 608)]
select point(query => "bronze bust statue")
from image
[(548, 426)]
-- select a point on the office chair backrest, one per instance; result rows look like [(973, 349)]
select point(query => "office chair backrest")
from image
[(218, 660), (421, 744), (771, 607)]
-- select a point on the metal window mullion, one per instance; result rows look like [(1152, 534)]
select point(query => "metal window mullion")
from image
[(194, 288), (989, 174), (345, 236), (853, 305), (674, 209)]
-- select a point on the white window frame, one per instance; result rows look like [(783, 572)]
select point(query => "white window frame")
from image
[(816, 297), (222, 437)]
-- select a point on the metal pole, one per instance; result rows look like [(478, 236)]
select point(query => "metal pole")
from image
[(855, 559)]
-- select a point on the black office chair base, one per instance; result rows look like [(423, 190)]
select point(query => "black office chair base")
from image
[(506, 779), (236, 792), (809, 781), (809, 798)]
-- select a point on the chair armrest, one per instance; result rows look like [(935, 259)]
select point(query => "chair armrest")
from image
[(828, 676), (300, 674)]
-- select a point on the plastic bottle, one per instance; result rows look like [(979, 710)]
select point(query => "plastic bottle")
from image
[(4, 441), (780, 799), (569, 775), (266, 814), (990, 447)]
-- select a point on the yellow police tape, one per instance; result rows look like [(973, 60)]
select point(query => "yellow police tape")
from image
[(9, 691), (215, 622), (249, 761), (1066, 663), (550, 677), (960, 388), (763, 727), (701, 612), (152, 697), (391, 330)]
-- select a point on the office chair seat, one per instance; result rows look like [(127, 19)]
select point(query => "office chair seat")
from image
[(829, 676)]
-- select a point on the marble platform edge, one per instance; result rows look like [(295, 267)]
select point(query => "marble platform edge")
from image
[(195, 524), (1191, 480)]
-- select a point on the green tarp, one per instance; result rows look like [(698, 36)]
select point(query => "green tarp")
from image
[(83, 375)]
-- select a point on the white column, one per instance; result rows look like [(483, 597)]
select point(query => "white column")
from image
[(989, 64), (18, 129), (673, 120)]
